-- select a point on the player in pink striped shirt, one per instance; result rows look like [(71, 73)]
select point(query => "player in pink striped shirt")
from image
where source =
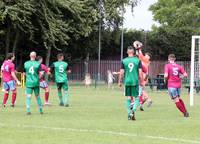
[(43, 83), (9, 79), (173, 74)]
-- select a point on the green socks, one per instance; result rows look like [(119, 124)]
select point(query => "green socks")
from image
[(66, 98), (39, 101), (60, 96), (136, 104), (28, 104), (128, 104)]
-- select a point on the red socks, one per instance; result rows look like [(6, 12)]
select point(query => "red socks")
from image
[(181, 101), (46, 96), (5, 98), (180, 105), (14, 95), (141, 100)]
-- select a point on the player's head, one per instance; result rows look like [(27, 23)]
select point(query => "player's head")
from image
[(10, 56), (148, 56), (40, 59), (171, 58), (33, 55), (130, 51), (60, 56)]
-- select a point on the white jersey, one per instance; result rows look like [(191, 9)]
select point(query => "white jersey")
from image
[(110, 78)]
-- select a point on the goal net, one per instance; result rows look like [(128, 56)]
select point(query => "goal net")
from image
[(195, 67)]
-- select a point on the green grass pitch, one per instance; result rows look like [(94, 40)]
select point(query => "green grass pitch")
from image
[(98, 116)]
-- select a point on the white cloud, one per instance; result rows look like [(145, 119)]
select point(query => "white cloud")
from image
[(141, 18)]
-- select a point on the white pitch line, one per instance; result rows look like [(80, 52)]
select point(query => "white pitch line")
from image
[(107, 132)]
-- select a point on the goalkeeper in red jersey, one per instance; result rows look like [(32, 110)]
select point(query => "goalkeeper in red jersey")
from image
[(145, 60)]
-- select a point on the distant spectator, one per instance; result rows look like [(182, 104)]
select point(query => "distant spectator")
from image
[(110, 79), (88, 80)]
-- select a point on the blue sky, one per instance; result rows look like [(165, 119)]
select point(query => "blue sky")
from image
[(141, 18)]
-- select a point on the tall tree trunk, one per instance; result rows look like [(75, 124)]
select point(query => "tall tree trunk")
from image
[(48, 60), (15, 41), (20, 60), (86, 63), (7, 41), (48, 56)]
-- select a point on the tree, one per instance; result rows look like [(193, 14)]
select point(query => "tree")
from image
[(46, 23), (15, 18), (63, 20), (181, 14), (179, 20), (48, 26), (111, 20)]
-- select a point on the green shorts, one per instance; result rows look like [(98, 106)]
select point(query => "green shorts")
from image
[(132, 91), (29, 90), (62, 85)]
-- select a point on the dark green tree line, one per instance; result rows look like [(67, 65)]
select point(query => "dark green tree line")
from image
[(49, 26)]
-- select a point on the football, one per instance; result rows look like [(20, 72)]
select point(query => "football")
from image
[(137, 44)]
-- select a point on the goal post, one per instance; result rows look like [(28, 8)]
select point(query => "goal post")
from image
[(195, 66)]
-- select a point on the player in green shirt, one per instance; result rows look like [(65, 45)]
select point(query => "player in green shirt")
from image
[(32, 69), (131, 70), (60, 70)]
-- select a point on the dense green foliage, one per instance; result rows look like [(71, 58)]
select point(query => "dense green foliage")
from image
[(44, 24), (179, 20), (71, 26), (49, 26)]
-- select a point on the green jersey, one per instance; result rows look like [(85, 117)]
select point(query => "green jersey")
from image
[(32, 69), (131, 66), (60, 69)]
